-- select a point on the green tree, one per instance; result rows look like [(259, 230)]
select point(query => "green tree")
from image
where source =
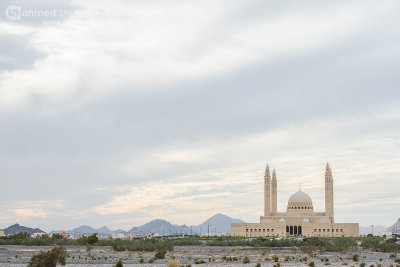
[(50, 258), (92, 239)]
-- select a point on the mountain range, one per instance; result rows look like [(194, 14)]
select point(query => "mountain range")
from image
[(219, 223), (85, 229)]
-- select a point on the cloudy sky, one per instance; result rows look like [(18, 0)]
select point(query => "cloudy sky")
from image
[(119, 113)]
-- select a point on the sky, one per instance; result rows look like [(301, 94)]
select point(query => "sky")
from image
[(118, 113)]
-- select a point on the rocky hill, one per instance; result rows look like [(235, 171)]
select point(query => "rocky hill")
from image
[(219, 223), (161, 227), (395, 228), (16, 228)]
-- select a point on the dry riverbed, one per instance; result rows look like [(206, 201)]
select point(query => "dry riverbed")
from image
[(17, 256)]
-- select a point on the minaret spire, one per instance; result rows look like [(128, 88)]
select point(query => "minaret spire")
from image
[(267, 173), (267, 192), (328, 170), (329, 193), (274, 192)]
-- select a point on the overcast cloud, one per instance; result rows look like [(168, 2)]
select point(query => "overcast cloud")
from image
[(119, 113)]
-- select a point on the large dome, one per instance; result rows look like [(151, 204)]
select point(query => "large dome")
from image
[(300, 197), (300, 202)]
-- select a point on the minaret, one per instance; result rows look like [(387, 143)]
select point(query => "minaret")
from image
[(274, 193), (329, 192), (267, 192)]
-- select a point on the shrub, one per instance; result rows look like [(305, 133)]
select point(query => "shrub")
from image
[(141, 260), (198, 261), (325, 259), (258, 264), (160, 253), (362, 264), (355, 257), (336, 244), (119, 263), (151, 260), (50, 258), (311, 264), (139, 245), (246, 260), (173, 263), (226, 258)]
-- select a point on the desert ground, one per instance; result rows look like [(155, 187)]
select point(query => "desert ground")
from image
[(16, 256)]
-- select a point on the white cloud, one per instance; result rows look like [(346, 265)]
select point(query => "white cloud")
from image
[(22, 214), (176, 45), (235, 169)]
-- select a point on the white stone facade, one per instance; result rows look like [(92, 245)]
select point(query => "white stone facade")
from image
[(299, 218)]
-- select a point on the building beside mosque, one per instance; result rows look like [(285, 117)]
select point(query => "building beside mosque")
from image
[(300, 219)]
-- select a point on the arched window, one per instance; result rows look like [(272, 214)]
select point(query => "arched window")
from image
[(295, 230), (287, 229), (291, 230), (299, 230)]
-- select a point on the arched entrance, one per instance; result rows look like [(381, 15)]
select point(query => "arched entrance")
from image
[(294, 230)]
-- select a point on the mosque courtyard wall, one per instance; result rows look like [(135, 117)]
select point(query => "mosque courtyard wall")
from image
[(307, 229)]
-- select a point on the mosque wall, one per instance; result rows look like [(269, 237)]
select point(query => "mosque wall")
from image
[(283, 229)]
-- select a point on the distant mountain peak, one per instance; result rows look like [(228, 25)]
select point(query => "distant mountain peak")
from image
[(395, 228), (104, 229), (219, 223), (16, 228)]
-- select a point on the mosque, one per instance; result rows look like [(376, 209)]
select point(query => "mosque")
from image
[(299, 218)]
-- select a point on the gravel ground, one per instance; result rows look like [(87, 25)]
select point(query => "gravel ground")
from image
[(17, 256)]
